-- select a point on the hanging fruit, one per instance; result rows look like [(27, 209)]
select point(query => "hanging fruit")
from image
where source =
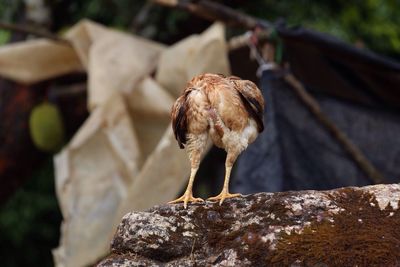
[(46, 127)]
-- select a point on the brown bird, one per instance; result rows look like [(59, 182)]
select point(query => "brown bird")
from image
[(227, 109)]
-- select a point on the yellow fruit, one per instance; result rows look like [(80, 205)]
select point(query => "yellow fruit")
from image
[(46, 127)]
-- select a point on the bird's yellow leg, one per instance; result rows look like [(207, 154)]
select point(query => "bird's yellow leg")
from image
[(188, 195), (225, 190)]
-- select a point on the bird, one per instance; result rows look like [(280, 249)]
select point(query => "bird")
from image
[(226, 109)]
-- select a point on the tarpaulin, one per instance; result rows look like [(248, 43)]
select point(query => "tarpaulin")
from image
[(330, 66), (295, 152), (358, 90)]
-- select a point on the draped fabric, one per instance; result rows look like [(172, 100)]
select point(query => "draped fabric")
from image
[(296, 152), (358, 90)]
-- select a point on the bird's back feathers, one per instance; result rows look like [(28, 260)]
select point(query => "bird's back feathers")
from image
[(231, 97), (252, 100)]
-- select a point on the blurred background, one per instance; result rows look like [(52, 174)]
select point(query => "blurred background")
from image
[(30, 216)]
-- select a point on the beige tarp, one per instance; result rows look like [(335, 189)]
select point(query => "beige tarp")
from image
[(37, 60), (124, 157), (191, 56), (114, 60)]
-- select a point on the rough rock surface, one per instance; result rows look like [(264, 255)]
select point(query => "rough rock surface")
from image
[(343, 227)]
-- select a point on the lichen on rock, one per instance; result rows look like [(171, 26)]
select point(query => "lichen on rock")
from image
[(343, 227)]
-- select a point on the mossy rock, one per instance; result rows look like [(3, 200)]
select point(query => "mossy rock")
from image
[(354, 226)]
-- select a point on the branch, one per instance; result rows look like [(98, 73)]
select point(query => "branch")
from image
[(214, 11), (33, 31), (357, 155)]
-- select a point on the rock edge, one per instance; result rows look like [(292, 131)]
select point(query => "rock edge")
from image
[(342, 227)]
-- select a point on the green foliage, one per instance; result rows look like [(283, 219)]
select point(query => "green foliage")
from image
[(372, 23), (375, 23), (8, 9), (161, 23), (30, 221), (4, 36), (113, 13), (46, 127)]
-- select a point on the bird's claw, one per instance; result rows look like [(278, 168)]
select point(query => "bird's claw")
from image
[(222, 196), (187, 197)]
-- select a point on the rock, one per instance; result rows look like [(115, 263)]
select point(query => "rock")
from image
[(342, 227)]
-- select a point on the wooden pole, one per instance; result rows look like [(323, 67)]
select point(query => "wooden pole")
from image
[(356, 154)]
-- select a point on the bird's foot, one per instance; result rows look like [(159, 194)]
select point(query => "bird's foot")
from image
[(222, 196), (187, 197)]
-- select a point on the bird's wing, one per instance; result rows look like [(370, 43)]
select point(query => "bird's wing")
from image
[(179, 119), (252, 99)]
